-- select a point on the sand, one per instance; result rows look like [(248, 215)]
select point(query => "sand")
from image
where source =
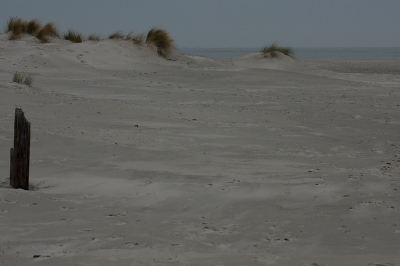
[(138, 160)]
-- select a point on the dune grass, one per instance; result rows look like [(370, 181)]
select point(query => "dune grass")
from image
[(273, 51), (117, 35), (14, 37), (139, 39), (18, 77), (162, 40), (33, 27), (16, 26), (43, 36), (23, 78), (49, 30), (129, 36), (74, 36), (94, 37)]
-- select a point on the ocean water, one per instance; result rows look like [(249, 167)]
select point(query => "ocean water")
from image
[(302, 53)]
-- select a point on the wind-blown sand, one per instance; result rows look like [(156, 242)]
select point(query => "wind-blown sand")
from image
[(138, 160)]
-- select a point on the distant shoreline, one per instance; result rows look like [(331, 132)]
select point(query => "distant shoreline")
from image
[(302, 53)]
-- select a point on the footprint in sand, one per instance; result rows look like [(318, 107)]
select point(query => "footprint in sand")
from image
[(104, 205), (173, 222), (28, 205), (9, 201), (68, 208), (80, 58), (116, 237), (131, 244), (116, 215)]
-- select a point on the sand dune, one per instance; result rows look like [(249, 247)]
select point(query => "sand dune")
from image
[(193, 161)]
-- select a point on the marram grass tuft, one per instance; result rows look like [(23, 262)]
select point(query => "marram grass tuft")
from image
[(274, 50), (74, 36), (161, 40), (23, 78)]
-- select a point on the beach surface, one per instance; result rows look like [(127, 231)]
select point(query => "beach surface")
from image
[(139, 160)]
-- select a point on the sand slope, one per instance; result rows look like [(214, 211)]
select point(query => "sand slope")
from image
[(137, 160)]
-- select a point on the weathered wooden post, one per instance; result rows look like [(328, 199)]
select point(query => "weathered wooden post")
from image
[(19, 161)]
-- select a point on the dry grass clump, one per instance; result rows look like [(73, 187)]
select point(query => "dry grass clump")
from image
[(49, 30), (74, 36), (94, 37), (117, 35), (162, 40), (18, 77), (14, 37), (135, 37), (43, 36), (23, 77), (138, 39), (16, 26), (273, 51), (33, 27), (129, 36)]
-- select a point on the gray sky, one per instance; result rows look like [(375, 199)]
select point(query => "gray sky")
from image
[(226, 23)]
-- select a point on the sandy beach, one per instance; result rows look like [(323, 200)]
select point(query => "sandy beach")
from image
[(139, 160)]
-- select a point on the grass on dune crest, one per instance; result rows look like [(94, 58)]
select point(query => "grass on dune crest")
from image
[(94, 37), (33, 27), (23, 78), (129, 36), (161, 40), (273, 51), (117, 35), (49, 30), (16, 26), (74, 36), (139, 39), (14, 37)]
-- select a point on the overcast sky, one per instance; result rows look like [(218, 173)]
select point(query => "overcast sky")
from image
[(227, 23)]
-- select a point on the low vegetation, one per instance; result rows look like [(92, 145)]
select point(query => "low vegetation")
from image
[(94, 37), (273, 51), (23, 78), (161, 40), (52, 30), (17, 26), (33, 27), (74, 36), (138, 39), (129, 36), (117, 35)]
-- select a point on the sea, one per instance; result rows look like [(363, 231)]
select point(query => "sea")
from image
[(302, 53)]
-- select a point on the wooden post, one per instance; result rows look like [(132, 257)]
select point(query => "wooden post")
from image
[(19, 161)]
